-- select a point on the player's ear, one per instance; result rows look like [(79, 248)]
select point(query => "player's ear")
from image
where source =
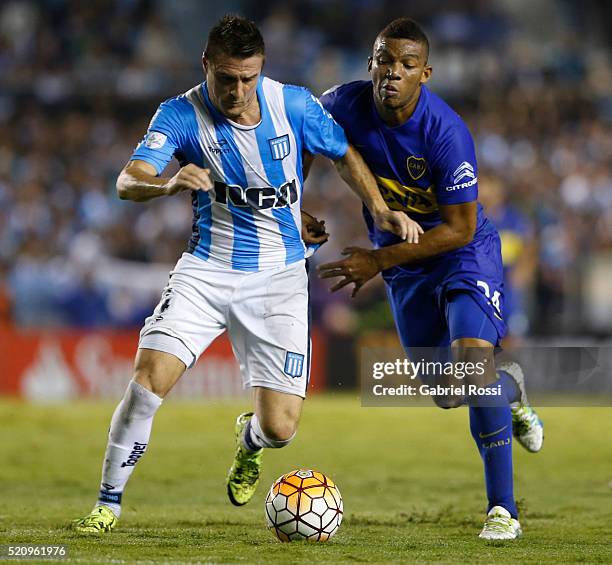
[(426, 74), (370, 63), (205, 61)]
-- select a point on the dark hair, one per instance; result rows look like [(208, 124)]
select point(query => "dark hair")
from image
[(405, 28), (235, 36)]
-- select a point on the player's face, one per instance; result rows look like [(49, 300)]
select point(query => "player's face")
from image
[(398, 68), (232, 82)]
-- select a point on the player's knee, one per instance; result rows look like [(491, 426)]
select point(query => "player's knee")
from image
[(152, 377), (446, 402), (279, 433), (157, 372)]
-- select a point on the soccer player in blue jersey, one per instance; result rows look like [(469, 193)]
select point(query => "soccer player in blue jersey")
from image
[(447, 289), (239, 138)]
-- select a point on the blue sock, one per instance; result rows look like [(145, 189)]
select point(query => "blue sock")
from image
[(491, 428), (509, 387), (247, 439)]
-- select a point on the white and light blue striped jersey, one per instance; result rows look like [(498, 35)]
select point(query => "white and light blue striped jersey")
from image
[(251, 220)]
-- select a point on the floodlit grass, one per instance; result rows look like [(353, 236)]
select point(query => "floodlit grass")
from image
[(411, 481)]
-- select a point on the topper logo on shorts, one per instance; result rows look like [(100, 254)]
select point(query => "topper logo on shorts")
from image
[(137, 452), (164, 305), (294, 364)]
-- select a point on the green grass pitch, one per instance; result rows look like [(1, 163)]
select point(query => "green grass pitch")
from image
[(410, 478)]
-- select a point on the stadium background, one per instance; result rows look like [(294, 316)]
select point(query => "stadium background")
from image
[(80, 269)]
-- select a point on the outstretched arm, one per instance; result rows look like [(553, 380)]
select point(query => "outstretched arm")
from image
[(139, 182), (456, 230)]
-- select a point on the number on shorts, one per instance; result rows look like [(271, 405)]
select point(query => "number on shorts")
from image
[(493, 300)]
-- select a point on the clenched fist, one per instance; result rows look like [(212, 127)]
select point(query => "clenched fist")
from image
[(189, 177)]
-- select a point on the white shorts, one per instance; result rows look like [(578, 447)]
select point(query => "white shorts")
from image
[(265, 314)]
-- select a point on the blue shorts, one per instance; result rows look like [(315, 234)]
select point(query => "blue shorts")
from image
[(458, 295)]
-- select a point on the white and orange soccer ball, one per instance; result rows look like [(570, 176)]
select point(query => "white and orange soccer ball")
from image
[(304, 505)]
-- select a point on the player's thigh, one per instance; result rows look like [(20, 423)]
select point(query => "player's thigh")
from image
[(472, 293), (157, 371), (278, 412), (191, 312), (473, 337), (268, 326), (468, 316), (416, 312)]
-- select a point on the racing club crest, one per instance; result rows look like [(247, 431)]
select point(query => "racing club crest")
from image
[(416, 167), (279, 147)]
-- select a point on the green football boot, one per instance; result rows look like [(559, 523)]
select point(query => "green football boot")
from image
[(100, 520), (243, 477)]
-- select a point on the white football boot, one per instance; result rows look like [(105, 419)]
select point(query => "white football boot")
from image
[(499, 525), (527, 427)]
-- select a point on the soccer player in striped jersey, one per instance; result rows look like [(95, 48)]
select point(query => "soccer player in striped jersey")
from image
[(448, 289), (239, 138)]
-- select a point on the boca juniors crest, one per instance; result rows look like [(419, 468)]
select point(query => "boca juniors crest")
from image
[(279, 147), (416, 167)]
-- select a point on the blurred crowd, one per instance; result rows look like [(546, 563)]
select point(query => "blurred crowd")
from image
[(80, 81)]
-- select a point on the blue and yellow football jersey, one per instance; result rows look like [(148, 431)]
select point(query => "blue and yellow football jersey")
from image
[(424, 163), (427, 162)]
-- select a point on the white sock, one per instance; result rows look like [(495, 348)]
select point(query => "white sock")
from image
[(255, 439), (127, 441)]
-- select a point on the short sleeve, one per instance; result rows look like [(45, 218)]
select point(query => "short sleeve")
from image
[(328, 100), (163, 138), (454, 166), (322, 134)]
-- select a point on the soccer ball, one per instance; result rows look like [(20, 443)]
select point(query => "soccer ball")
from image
[(304, 505)]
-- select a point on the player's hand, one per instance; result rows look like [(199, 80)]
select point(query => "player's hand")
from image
[(189, 177), (358, 268), (313, 230), (399, 224)]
